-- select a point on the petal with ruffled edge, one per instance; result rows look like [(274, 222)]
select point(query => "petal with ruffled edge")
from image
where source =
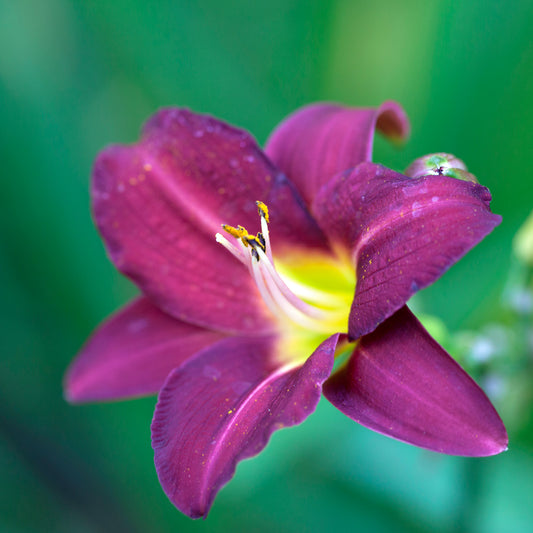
[(160, 202), (222, 407), (403, 233), (132, 353), (321, 140), (401, 383)]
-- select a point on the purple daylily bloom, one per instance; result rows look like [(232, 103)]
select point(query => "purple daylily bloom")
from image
[(237, 331)]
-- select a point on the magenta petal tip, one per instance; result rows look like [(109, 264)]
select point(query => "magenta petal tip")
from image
[(222, 408), (401, 383), (132, 353)]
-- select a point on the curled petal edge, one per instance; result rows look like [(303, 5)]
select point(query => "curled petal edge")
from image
[(318, 141)]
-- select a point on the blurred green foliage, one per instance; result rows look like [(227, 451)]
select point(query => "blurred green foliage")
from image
[(75, 76)]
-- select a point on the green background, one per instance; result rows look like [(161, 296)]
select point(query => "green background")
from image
[(75, 76)]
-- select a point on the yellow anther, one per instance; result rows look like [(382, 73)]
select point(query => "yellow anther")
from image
[(263, 210), (259, 241), (239, 232), (254, 240)]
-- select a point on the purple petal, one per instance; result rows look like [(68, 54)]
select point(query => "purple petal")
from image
[(222, 407), (404, 233), (401, 383), (132, 353), (159, 204), (321, 140)]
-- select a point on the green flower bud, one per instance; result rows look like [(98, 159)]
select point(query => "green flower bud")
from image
[(523, 241), (440, 164)]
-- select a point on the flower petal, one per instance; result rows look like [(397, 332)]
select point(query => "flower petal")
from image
[(159, 204), (222, 407), (403, 233), (321, 140), (132, 353), (401, 383)]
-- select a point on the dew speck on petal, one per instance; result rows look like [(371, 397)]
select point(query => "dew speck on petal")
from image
[(211, 372)]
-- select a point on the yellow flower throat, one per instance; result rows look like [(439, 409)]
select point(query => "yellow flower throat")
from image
[(308, 293)]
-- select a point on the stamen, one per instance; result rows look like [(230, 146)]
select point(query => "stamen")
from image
[(308, 309), (236, 252), (254, 241), (308, 318), (237, 232), (254, 252), (263, 210), (278, 304), (261, 286), (265, 219), (261, 239)]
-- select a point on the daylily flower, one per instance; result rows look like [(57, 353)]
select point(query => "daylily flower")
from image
[(258, 268)]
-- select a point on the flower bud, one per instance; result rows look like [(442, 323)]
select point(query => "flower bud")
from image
[(523, 241), (440, 164)]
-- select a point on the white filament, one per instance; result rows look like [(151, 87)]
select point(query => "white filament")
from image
[(276, 295)]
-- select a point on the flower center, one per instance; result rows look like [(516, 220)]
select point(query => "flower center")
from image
[(295, 291)]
